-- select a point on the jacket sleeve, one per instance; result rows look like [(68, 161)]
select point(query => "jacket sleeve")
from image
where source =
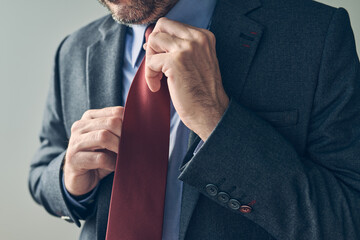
[(45, 171), (311, 196)]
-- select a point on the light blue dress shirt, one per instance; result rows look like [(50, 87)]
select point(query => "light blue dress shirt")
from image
[(198, 14)]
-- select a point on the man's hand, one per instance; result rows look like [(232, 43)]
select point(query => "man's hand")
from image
[(187, 56), (92, 150)]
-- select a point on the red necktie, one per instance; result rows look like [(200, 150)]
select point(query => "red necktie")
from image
[(138, 194)]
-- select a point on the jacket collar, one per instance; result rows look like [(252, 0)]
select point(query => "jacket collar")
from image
[(108, 27), (103, 65), (241, 7)]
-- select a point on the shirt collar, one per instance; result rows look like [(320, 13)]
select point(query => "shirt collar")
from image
[(195, 13), (138, 33)]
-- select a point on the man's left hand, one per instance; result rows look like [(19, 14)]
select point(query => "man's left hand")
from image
[(187, 57)]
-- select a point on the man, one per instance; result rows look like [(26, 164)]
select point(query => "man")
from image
[(267, 99)]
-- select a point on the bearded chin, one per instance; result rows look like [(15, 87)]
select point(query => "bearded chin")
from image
[(140, 12), (125, 21), (131, 16)]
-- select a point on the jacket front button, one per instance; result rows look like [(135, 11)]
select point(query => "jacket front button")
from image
[(212, 190), (223, 197), (234, 204), (245, 209)]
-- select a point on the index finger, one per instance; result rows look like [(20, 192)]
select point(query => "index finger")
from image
[(152, 76), (117, 111), (174, 28)]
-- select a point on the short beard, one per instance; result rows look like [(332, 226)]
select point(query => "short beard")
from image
[(141, 12)]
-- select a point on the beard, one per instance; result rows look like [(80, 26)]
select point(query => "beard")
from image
[(138, 11)]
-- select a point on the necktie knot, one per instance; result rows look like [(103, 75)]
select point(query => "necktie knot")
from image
[(148, 31)]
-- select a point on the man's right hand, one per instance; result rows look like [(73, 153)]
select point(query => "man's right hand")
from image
[(92, 150)]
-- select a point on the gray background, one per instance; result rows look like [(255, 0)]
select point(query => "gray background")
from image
[(30, 32)]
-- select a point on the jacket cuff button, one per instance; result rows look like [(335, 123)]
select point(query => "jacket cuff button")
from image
[(234, 204), (223, 197), (212, 190)]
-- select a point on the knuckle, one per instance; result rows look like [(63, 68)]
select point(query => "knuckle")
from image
[(87, 114), (113, 123), (68, 158), (73, 144), (100, 159), (202, 39), (76, 126), (76, 146), (152, 38), (117, 111), (102, 135), (170, 74), (161, 21), (190, 46), (211, 37)]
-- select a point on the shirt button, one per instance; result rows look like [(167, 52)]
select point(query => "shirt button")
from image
[(212, 190), (234, 204), (245, 209), (223, 197)]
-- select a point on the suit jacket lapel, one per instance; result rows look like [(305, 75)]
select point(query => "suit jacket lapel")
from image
[(237, 38), (103, 76), (104, 64)]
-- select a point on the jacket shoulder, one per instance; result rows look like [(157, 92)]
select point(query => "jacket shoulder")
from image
[(299, 10), (298, 5), (85, 36), (295, 17)]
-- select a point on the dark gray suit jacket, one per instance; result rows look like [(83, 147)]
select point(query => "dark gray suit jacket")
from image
[(288, 144)]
